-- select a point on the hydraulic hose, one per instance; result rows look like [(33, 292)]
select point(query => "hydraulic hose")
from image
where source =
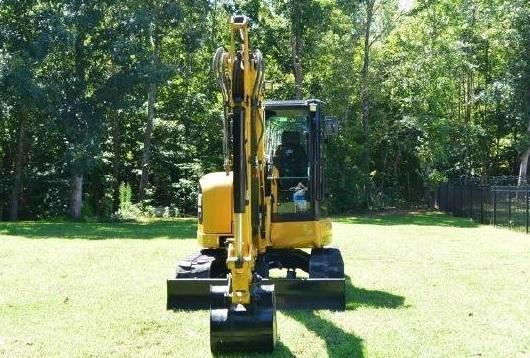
[(258, 84), (218, 66)]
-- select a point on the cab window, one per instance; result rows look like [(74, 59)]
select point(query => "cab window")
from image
[(287, 154)]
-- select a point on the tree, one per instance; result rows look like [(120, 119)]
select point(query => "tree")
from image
[(154, 40), (522, 81), (26, 47)]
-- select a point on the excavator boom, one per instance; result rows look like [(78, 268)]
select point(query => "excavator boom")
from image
[(243, 311)]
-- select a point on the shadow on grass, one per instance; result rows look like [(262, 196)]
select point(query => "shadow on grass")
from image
[(360, 297), (170, 229), (281, 350), (411, 218), (338, 342)]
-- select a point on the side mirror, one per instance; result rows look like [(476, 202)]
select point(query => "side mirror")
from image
[(331, 126)]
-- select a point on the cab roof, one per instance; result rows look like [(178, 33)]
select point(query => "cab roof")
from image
[(292, 103)]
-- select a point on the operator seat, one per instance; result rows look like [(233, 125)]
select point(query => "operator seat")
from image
[(290, 156)]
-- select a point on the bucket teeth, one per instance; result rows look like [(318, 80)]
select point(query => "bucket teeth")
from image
[(243, 327)]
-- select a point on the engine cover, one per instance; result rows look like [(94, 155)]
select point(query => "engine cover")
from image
[(215, 209)]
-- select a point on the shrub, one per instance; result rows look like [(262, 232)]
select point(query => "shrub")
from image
[(127, 211)]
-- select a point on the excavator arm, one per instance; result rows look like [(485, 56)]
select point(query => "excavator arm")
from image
[(243, 313), (240, 74)]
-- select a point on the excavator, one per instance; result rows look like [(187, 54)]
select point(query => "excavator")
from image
[(261, 222)]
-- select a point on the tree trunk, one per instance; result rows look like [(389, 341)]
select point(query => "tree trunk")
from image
[(17, 180), (297, 67), (76, 196), (116, 145), (296, 48), (365, 100), (460, 96), (151, 99), (523, 168), (79, 120)]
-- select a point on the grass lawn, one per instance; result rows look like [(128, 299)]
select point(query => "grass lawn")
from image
[(425, 285)]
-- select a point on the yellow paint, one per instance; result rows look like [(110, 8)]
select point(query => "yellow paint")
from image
[(240, 276), (243, 249), (217, 210), (218, 217), (208, 241), (301, 234)]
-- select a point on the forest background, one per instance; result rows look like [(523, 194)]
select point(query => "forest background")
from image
[(111, 105)]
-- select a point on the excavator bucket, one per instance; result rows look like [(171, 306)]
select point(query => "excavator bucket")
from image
[(250, 328), (304, 293)]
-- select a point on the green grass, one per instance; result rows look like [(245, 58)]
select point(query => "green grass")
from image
[(422, 284)]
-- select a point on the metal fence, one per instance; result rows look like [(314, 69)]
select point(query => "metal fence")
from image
[(498, 205)]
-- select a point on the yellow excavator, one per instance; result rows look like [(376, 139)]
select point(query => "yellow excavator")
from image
[(261, 221)]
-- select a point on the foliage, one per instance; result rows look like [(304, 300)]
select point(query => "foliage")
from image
[(447, 89), (125, 196), (127, 210)]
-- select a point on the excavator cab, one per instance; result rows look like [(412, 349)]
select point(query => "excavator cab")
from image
[(294, 154), (294, 159)]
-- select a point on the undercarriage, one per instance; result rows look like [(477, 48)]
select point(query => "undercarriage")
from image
[(311, 280)]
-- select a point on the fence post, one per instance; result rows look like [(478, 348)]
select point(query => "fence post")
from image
[(470, 202), (526, 216), (462, 188), (494, 206), (454, 199), (482, 204), (509, 206), (446, 198)]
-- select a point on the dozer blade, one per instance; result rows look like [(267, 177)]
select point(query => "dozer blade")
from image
[(191, 293), (310, 293), (243, 327)]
